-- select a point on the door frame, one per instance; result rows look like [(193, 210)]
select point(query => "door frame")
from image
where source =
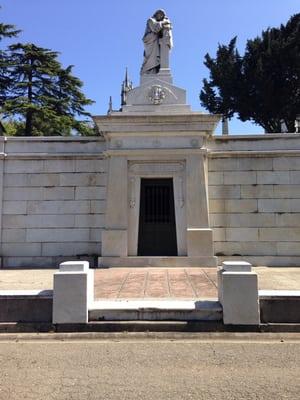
[(143, 229), (174, 169)]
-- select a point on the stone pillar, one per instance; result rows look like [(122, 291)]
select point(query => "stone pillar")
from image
[(199, 235), (73, 292), (238, 293), (114, 237)]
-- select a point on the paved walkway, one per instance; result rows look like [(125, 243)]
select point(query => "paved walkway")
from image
[(128, 283), (135, 283)]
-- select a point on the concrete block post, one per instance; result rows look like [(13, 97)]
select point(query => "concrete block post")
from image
[(238, 293), (73, 292)]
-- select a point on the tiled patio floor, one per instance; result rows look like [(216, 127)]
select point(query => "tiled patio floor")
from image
[(121, 283)]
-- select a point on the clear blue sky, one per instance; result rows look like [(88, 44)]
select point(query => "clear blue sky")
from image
[(101, 37)]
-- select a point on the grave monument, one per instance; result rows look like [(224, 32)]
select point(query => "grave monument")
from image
[(157, 202)]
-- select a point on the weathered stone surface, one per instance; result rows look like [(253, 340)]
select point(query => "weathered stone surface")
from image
[(286, 163), (246, 220), (90, 221), (21, 249), (242, 234), (98, 206), (82, 179), (38, 221), (239, 177), (254, 164), (13, 235), (91, 166), (224, 192), (23, 166), (57, 235), (241, 206), (288, 248), (287, 219), (280, 234), (257, 191), (215, 178), (14, 207), (58, 193), (58, 207), (23, 193), (199, 242), (273, 177), (114, 243), (70, 249), (59, 166), (90, 193), (279, 205), (245, 248)]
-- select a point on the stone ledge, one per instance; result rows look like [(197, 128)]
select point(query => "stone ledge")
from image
[(52, 139), (46, 156), (265, 261), (156, 310), (144, 262), (278, 294), (252, 153)]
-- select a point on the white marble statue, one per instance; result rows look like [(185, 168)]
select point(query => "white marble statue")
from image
[(158, 43)]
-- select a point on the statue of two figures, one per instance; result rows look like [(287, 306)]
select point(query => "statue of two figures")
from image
[(157, 42)]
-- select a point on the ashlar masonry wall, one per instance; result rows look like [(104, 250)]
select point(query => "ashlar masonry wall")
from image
[(53, 200), (254, 193), (53, 190)]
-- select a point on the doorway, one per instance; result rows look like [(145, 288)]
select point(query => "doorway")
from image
[(157, 227)]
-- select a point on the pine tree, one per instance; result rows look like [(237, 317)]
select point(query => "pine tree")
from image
[(6, 31), (44, 94), (263, 85)]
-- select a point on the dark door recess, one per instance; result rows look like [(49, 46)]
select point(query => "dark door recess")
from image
[(157, 228)]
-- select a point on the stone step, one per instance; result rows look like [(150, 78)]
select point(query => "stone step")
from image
[(146, 262), (156, 310)]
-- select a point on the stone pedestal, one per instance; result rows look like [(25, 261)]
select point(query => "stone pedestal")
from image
[(73, 292), (238, 293)]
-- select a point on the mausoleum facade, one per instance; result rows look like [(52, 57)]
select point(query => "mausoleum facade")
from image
[(156, 188)]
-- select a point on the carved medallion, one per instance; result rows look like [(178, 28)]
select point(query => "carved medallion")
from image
[(157, 94)]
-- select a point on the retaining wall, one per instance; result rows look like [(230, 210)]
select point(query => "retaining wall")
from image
[(254, 196), (52, 199)]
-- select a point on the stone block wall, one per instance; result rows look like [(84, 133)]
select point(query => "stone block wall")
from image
[(254, 197), (53, 200), (53, 191)]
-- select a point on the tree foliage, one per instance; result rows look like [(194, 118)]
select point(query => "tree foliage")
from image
[(6, 31), (263, 85), (41, 96)]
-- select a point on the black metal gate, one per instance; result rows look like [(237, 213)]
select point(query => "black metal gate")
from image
[(157, 228)]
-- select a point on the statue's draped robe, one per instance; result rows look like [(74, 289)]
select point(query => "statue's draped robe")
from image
[(151, 44)]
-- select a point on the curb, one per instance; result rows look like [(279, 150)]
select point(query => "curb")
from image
[(142, 336), (145, 327)]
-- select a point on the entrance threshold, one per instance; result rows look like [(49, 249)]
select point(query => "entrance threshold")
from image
[(145, 262)]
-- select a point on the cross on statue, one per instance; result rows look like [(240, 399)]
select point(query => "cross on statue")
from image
[(157, 43)]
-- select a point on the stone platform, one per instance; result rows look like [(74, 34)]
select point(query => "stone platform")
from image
[(148, 294), (129, 283), (150, 282)]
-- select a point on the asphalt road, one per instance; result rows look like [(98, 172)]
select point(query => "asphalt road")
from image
[(153, 369)]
